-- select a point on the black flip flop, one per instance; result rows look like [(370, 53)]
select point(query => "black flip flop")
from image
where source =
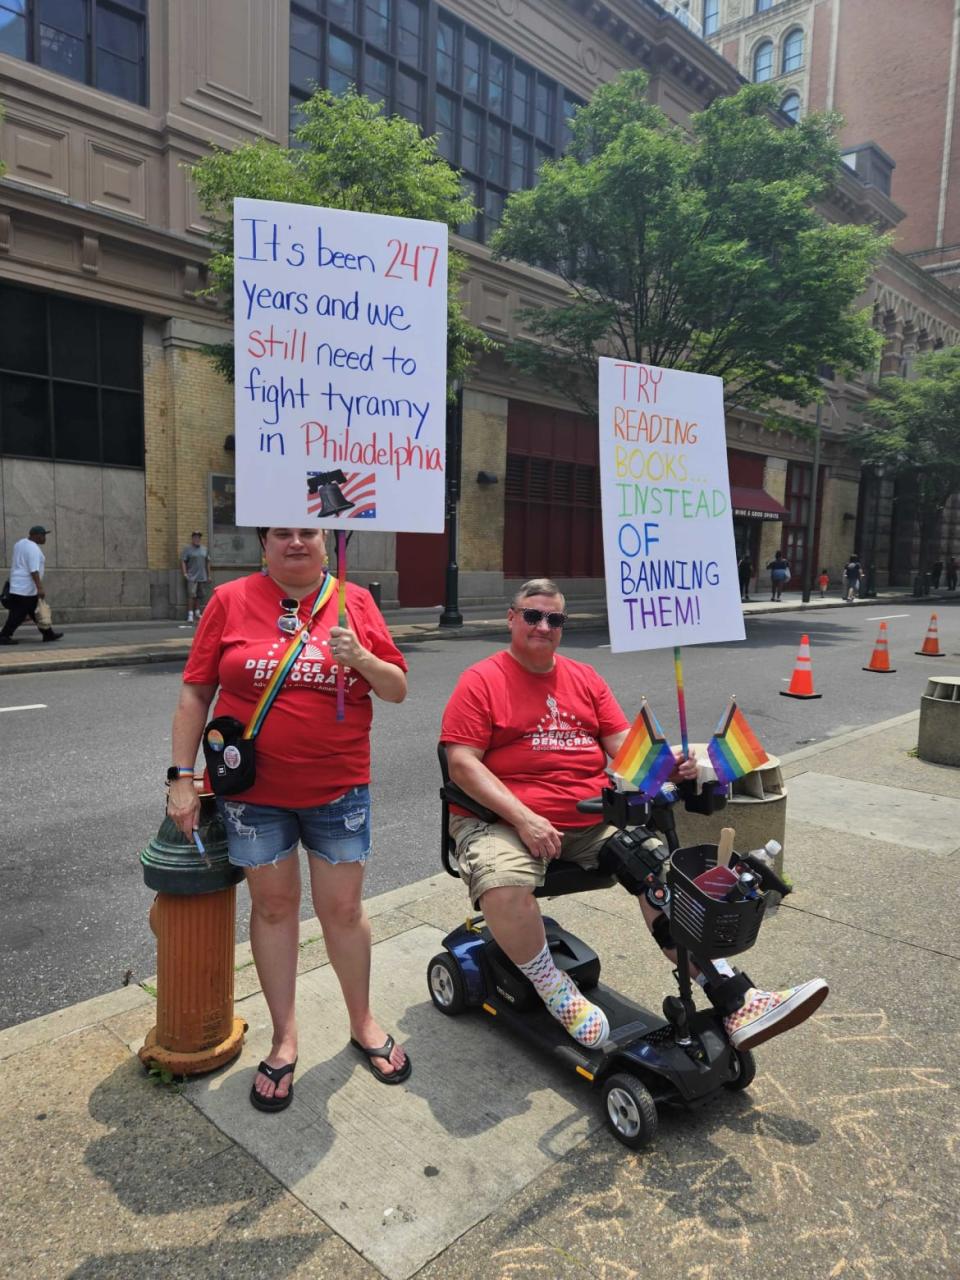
[(385, 1050), (274, 1074)]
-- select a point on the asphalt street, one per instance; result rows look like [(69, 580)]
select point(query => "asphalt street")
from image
[(83, 755)]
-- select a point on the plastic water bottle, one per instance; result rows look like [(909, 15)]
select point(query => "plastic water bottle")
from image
[(768, 854)]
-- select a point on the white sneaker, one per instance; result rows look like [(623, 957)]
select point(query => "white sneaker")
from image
[(190, 616)]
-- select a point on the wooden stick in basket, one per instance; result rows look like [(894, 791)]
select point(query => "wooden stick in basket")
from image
[(725, 847)]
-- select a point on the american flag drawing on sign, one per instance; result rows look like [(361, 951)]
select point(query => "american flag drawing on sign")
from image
[(359, 487)]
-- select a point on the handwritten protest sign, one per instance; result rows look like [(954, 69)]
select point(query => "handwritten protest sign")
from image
[(671, 564), (340, 325)]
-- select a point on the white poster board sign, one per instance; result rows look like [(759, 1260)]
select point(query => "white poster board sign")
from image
[(340, 325), (669, 554)]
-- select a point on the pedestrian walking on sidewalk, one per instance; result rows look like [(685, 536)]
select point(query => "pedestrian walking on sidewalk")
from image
[(195, 565), (311, 785), (852, 573), (952, 568), (745, 573), (936, 569), (27, 597), (779, 575), (823, 582)]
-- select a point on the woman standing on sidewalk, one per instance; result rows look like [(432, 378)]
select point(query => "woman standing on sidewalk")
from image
[(312, 778), (779, 575)]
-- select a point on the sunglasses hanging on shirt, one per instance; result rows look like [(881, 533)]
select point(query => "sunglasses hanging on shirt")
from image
[(289, 620)]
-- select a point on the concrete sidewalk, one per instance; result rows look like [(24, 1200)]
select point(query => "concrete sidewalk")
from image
[(491, 1163), (113, 644)]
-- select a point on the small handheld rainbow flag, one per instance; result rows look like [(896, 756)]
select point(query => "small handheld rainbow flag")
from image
[(645, 761), (734, 749)]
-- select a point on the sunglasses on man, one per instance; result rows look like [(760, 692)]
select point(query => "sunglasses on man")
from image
[(533, 618)]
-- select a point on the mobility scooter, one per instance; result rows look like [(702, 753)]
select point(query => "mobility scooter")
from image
[(682, 1058)]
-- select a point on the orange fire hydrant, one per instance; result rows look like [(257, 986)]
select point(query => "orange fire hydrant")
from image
[(193, 917)]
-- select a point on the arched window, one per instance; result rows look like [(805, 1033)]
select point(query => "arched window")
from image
[(763, 5), (790, 106), (792, 50), (763, 61), (711, 16)]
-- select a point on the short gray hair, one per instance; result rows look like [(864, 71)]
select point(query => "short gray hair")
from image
[(537, 587)]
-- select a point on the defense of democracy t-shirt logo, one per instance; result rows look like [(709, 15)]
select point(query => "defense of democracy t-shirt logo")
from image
[(556, 732), (311, 667)]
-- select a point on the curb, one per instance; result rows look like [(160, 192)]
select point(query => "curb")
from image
[(62, 1022)]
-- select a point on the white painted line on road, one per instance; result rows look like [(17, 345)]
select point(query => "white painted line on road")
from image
[(28, 706), (887, 617)]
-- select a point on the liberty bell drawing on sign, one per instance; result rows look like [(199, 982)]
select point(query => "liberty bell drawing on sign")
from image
[(325, 486)]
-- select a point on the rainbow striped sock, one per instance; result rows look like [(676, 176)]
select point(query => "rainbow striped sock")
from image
[(585, 1021)]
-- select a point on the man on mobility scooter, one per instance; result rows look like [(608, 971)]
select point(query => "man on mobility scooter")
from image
[(528, 734)]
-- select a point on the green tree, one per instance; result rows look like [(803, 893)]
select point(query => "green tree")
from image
[(700, 251), (350, 156), (914, 433)]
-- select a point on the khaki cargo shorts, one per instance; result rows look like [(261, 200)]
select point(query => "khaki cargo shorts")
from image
[(492, 855)]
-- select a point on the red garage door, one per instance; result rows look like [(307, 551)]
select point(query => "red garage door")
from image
[(552, 516)]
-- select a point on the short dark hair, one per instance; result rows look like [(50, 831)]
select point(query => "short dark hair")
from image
[(262, 535)]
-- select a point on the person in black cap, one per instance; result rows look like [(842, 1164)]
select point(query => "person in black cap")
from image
[(26, 586)]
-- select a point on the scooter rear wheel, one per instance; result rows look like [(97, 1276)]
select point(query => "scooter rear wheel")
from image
[(445, 983), (631, 1112)]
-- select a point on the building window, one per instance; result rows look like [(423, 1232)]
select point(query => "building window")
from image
[(711, 16), (763, 61), (71, 380), (97, 42), (494, 117), (792, 59), (376, 45), (763, 5), (790, 106)]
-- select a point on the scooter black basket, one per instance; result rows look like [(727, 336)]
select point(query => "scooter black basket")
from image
[(705, 926)]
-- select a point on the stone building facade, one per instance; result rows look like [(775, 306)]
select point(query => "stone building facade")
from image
[(891, 72), (124, 450)]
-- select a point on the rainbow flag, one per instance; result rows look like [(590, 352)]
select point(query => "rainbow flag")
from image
[(645, 761), (734, 749)]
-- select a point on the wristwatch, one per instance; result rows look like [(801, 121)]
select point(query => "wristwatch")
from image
[(178, 771)]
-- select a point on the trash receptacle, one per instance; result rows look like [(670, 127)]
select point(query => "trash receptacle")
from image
[(938, 735), (193, 917)]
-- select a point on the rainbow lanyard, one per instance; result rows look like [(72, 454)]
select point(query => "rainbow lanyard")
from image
[(325, 591)]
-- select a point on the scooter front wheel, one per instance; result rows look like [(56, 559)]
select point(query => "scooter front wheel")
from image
[(446, 985), (746, 1070), (631, 1112)]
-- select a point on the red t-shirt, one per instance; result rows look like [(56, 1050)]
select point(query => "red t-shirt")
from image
[(540, 733), (305, 756)]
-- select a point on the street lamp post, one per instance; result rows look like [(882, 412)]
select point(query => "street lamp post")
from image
[(808, 569), (871, 590), (451, 615)]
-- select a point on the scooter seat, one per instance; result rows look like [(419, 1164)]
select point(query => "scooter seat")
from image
[(568, 877)]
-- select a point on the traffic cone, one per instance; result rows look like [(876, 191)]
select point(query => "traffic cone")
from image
[(931, 644), (801, 682), (880, 661)]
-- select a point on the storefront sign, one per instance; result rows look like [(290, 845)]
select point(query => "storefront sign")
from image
[(670, 561), (340, 324)]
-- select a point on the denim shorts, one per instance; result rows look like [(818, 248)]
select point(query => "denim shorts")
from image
[(336, 832)]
